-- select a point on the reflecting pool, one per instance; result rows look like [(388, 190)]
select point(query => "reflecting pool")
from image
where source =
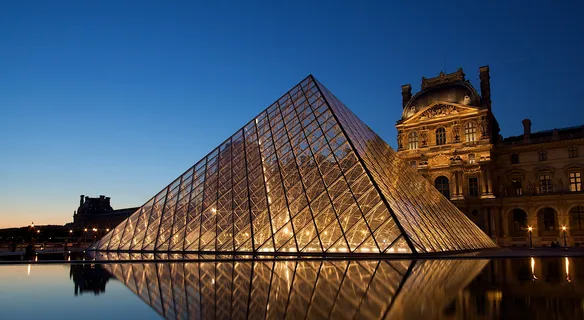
[(534, 288)]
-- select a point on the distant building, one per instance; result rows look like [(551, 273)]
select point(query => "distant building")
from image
[(98, 213), (449, 133)]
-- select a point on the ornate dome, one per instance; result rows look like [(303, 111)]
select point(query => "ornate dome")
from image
[(458, 92)]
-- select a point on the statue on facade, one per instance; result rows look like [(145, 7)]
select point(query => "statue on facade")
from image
[(456, 133), (484, 125), (424, 136), (423, 160), (400, 135)]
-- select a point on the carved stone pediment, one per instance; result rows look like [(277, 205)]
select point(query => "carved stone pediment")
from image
[(440, 160), (439, 110)]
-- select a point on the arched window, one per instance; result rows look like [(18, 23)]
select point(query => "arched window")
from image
[(519, 221), (440, 136), (470, 132), (542, 155), (413, 140), (577, 218), (547, 218), (441, 183), (573, 152)]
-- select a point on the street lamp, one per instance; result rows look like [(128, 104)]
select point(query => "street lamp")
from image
[(530, 229), (564, 229)]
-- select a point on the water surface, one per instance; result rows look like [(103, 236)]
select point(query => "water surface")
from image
[(531, 288)]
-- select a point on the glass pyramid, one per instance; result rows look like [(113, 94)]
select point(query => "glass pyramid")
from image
[(305, 176), (300, 289)]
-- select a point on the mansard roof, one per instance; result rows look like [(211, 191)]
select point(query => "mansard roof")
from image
[(452, 88)]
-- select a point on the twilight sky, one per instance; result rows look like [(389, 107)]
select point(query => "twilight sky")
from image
[(120, 97)]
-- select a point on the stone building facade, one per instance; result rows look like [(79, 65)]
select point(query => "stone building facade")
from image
[(98, 213), (516, 188)]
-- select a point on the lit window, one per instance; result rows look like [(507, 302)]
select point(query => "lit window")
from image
[(471, 158), (470, 132), (573, 152), (514, 158), (473, 187), (542, 155), (545, 183), (440, 136), (575, 181), (413, 140), (443, 186)]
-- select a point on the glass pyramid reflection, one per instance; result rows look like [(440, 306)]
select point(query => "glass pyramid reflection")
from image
[(299, 289), (305, 176)]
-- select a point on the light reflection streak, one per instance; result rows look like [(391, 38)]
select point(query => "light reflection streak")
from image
[(567, 263), (533, 277)]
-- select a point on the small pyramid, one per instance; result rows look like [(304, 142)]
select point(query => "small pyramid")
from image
[(305, 176)]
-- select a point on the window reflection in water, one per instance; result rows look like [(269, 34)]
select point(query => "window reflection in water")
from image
[(527, 288)]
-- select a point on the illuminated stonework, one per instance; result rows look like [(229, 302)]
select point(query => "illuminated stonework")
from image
[(305, 175)]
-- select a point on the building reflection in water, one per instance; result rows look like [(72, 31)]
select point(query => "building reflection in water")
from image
[(307, 289), (527, 288), (89, 278)]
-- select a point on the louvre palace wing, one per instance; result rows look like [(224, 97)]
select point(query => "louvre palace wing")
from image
[(304, 176), (299, 289)]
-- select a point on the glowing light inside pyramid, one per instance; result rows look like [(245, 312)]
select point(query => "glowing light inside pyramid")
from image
[(304, 176)]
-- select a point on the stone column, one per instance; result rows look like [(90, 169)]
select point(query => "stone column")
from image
[(533, 222), (491, 212), (505, 221), (457, 188), (489, 182), (482, 182), (452, 186)]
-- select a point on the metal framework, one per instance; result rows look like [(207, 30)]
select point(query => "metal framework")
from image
[(299, 289), (305, 176)]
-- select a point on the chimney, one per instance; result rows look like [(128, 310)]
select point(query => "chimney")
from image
[(485, 86), (101, 201), (81, 200), (406, 94), (526, 129), (107, 203)]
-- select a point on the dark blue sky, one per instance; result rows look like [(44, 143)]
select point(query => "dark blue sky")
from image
[(120, 97)]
